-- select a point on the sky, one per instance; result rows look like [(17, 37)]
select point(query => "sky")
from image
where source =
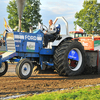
[(50, 9)]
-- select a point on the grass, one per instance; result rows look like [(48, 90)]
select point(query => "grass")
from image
[(90, 93), (2, 51)]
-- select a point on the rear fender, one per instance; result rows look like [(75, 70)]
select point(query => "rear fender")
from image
[(57, 42)]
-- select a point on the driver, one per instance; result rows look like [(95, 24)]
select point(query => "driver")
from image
[(50, 33)]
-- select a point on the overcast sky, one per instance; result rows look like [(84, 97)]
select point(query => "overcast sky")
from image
[(50, 9)]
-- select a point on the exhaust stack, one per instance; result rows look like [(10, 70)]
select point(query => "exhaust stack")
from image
[(20, 7)]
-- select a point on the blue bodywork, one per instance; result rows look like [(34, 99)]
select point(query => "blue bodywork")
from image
[(30, 45)]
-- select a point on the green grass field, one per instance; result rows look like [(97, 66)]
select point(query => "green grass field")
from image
[(2, 51), (90, 93)]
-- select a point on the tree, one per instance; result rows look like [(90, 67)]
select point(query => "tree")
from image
[(88, 18), (31, 15)]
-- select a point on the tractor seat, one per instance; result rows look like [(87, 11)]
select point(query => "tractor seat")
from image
[(57, 34), (58, 28)]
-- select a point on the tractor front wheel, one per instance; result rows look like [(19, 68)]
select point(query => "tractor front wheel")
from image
[(24, 69), (4, 68)]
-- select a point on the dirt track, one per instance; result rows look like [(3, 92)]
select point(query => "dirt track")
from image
[(10, 84)]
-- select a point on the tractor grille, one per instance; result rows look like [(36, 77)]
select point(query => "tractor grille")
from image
[(10, 44)]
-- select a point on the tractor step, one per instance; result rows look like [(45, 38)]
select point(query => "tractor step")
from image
[(46, 65)]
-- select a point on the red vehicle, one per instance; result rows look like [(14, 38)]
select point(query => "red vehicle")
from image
[(76, 34)]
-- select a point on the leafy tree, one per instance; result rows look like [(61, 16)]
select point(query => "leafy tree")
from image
[(89, 17), (31, 15)]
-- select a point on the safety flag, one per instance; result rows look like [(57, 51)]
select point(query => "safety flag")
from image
[(5, 23), (7, 26), (78, 28)]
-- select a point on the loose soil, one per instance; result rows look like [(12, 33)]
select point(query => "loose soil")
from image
[(10, 84), (1, 53)]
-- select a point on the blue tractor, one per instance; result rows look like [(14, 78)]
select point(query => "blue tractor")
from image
[(64, 54)]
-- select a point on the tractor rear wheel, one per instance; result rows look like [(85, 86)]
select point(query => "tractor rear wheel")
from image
[(24, 69), (4, 68), (69, 58)]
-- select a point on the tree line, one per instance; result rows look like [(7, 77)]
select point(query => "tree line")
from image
[(31, 14), (87, 18)]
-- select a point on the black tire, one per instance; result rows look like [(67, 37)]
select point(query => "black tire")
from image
[(0, 43), (4, 68), (61, 61), (3, 43), (21, 70)]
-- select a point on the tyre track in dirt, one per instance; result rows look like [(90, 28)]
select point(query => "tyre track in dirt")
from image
[(10, 84)]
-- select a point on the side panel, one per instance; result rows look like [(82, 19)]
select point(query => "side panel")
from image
[(90, 43), (47, 51), (28, 42), (97, 45), (87, 42)]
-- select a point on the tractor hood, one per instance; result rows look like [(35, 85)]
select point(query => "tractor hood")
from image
[(24, 42)]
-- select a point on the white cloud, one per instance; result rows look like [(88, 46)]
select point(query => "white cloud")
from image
[(55, 8), (61, 10), (62, 7), (69, 18), (98, 1)]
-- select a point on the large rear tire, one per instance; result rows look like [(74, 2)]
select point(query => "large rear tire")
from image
[(24, 69), (69, 58), (4, 68)]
